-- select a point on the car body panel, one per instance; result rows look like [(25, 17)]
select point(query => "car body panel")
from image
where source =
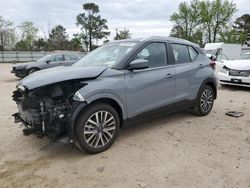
[(109, 85), (149, 89), (59, 74)]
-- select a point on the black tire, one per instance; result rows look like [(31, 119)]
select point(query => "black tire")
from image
[(204, 99), (33, 70), (84, 125)]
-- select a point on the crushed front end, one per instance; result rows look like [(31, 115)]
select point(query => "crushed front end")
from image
[(19, 72), (45, 111)]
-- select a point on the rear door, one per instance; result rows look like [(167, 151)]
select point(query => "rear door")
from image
[(56, 60), (150, 88), (187, 72)]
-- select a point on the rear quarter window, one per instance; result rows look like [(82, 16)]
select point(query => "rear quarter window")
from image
[(193, 53)]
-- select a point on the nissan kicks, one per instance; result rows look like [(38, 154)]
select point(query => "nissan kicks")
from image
[(91, 100)]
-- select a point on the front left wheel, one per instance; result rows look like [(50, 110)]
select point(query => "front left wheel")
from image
[(97, 128)]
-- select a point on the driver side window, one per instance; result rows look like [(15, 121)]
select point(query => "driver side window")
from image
[(155, 53)]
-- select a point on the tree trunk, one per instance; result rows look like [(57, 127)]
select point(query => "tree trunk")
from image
[(90, 41), (2, 45)]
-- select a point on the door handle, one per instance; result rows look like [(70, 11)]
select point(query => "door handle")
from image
[(169, 75)]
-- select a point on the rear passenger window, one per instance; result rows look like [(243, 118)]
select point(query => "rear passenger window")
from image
[(193, 53), (181, 53), (69, 57), (155, 53)]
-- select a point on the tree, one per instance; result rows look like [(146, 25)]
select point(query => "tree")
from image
[(177, 32), (215, 16), (186, 19), (58, 38), (79, 41), (7, 34), (93, 26), (28, 33), (230, 36), (242, 26), (122, 34), (40, 44)]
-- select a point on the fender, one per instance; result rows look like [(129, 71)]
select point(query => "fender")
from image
[(106, 95), (213, 82)]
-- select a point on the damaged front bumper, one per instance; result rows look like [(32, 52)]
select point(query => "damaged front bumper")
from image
[(20, 73), (41, 116)]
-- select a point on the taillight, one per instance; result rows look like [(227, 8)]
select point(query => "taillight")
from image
[(213, 64)]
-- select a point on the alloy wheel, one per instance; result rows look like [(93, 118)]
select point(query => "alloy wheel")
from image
[(99, 129), (206, 101)]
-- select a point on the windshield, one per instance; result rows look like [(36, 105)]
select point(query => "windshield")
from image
[(245, 56), (107, 55), (45, 58)]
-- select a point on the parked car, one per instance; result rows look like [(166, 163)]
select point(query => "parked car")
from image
[(53, 60), (92, 99), (229, 51), (235, 72)]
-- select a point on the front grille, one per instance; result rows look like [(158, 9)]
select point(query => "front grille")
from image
[(239, 73)]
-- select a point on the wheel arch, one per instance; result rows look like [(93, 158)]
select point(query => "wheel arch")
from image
[(212, 83), (30, 68)]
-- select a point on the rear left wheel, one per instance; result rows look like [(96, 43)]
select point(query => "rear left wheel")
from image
[(97, 128)]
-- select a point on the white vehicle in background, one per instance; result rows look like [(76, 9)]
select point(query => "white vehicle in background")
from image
[(223, 51), (220, 52), (235, 72)]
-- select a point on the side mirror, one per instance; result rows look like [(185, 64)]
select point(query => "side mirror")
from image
[(138, 64), (48, 61)]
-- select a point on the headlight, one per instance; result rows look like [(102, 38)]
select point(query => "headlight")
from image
[(78, 97), (224, 70), (21, 88)]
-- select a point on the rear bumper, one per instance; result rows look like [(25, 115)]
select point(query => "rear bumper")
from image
[(226, 79)]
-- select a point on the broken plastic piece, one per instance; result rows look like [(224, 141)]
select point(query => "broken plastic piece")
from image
[(234, 114)]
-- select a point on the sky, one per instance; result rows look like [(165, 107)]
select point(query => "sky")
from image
[(142, 17)]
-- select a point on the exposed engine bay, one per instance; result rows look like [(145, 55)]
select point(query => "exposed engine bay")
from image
[(44, 111)]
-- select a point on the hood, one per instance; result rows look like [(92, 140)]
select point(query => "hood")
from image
[(21, 65), (238, 64), (59, 74)]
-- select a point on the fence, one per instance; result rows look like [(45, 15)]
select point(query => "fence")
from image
[(21, 56)]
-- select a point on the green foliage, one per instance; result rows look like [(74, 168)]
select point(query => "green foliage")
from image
[(58, 38), (122, 34), (7, 34), (40, 45), (186, 19), (215, 16), (201, 19), (28, 34), (230, 36), (242, 26), (93, 26)]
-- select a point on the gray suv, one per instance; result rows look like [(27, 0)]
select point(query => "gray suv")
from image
[(91, 100)]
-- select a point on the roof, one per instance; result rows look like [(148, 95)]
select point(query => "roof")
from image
[(213, 46), (172, 39)]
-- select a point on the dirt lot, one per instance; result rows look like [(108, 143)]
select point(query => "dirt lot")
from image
[(180, 150)]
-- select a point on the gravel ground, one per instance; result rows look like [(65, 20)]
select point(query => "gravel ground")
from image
[(179, 150)]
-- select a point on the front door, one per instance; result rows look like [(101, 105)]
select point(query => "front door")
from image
[(150, 88)]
